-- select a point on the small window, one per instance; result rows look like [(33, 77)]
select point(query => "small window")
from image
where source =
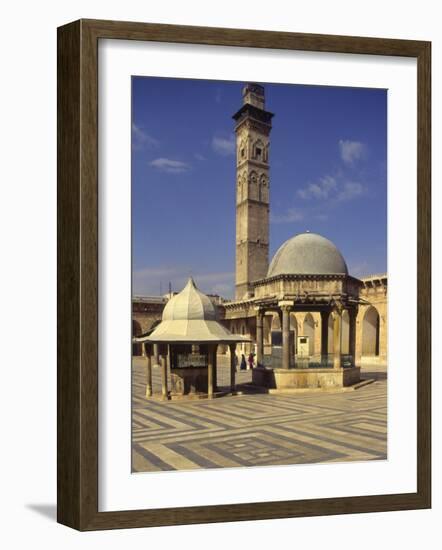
[(258, 152), (243, 153)]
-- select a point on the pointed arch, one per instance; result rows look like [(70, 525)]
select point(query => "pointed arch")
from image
[(253, 185), (308, 329), (258, 150), (370, 332), (241, 190), (276, 322), (267, 326), (263, 188), (275, 327), (242, 150), (266, 153)]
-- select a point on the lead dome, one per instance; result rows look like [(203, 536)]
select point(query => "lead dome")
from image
[(307, 254)]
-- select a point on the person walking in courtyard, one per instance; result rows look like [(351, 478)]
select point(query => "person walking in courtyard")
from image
[(243, 362), (250, 360)]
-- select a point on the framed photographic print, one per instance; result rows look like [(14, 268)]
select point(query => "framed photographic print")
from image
[(243, 275)]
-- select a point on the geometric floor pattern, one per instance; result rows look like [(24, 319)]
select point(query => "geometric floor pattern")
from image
[(257, 430)]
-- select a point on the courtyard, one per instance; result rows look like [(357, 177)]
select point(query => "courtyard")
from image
[(257, 429)]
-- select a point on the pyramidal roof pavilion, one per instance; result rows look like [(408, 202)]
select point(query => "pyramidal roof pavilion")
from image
[(189, 321), (190, 317)]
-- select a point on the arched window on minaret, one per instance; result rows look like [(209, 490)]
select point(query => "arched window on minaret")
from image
[(266, 154), (258, 150), (263, 188), (253, 186), (242, 194), (249, 146), (242, 151)]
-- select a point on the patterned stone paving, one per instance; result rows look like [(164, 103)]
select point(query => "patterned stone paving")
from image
[(257, 430)]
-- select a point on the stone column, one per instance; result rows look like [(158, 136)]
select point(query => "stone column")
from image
[(317, 339), (156, 355), (325, 315), (359, 323), (285, 308), (352, 314), (215, 369), (210, 371), (164, 390), (337, 334), (232, 348), (383, 327), (146, 353), (259, 337)]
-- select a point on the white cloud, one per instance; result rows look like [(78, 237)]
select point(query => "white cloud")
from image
[(322, 195), (141, 139), (350, 190), (351, 150), (199, 156), (292, 215), (322, 189), (224, 146), (332, 188), (170, 166)]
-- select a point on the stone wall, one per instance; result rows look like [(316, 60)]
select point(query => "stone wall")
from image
[(280, 285), (240, 318), (146, 312), (374, 292)]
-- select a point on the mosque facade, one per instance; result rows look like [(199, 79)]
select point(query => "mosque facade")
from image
[(302, 307)]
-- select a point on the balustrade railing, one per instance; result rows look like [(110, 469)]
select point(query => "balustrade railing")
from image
[(274, 360)]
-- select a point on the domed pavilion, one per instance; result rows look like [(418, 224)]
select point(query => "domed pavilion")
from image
[(189, 335), (307, 277), (307, 254)]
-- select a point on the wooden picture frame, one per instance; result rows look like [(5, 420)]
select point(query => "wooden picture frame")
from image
[(77, 461)]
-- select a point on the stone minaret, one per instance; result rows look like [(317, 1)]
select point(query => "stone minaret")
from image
[(253, 125)]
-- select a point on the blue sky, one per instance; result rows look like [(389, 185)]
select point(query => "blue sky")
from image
[(328, 174)]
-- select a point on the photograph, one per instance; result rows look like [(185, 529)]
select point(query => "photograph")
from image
[(221, 216), (259, 274)]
